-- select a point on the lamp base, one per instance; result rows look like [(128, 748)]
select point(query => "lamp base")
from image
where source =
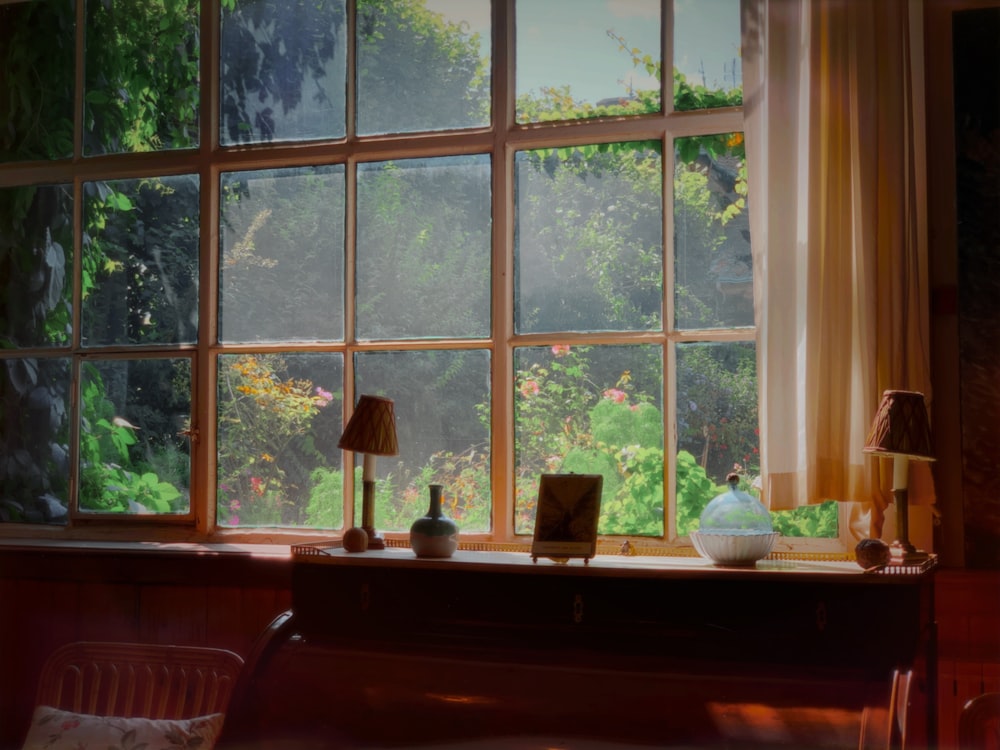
[(907, 554), (375, 540)]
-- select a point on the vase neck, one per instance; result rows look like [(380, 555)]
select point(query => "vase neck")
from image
[(434, 509)]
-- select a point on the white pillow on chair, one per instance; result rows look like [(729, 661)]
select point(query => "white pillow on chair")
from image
[(54, 729)]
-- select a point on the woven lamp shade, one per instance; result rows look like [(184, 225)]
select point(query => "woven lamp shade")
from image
[(372, 428), (901, 427)]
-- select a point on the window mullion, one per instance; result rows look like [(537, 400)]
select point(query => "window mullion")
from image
[(502, 426), (79, 82), (75, 405), (669, 353), (350, 319), (204, 427)]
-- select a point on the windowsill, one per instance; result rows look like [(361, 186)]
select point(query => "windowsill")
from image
[(279, 543), (275, 551), (605, 564), (140, 563), (270, 565)]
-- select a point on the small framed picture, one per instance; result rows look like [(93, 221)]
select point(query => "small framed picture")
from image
[(566, 516)]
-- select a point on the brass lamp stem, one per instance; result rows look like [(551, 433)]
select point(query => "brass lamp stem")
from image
[(902, 549), (902, 520), (375, 540)]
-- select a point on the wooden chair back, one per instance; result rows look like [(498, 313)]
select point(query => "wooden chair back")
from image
[(152, 681), (885, 718), (979, 723)]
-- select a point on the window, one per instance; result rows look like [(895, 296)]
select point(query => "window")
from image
[(242, 214)]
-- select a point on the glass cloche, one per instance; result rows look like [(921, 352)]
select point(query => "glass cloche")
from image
[(735, 528)]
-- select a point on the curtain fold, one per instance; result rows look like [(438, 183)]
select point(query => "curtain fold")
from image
[(834, 132)]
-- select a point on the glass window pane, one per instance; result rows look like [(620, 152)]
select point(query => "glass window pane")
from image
[(284, 70), (423, 258), (592, 410), (716, 423), (713, 266), (36, 89), (587, 58), (280, 417), (140, 261), (142, 77), (135, 455), (423, 68), (36, 252), (708, 70), (34, 432), (589, 238), (281, 274), (442, 406)]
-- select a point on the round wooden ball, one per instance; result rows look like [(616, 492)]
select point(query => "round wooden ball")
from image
[(871, 553), (355, 539)]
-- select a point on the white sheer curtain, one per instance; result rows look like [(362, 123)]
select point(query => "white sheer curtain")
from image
[(834, 133)]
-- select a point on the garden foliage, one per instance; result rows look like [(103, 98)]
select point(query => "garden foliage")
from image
[(575, 409)]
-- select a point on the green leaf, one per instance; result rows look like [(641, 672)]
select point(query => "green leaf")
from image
[(120, 202)]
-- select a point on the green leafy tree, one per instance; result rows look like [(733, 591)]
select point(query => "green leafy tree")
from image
[(401, 45), (589, 224), (717, 412), (270, 54), (142, 87), (149, 60), (36, 105), (113, 474), (274, 225), (141, 94), (424, 248)]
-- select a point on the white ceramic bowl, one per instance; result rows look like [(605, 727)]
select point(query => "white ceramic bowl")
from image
[(734, 549)]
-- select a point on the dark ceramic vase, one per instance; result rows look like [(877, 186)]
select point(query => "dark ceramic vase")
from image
[(434, 535)]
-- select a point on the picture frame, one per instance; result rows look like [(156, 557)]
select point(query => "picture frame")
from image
[(566, 516)]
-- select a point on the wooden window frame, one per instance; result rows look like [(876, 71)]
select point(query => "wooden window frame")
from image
[(501, 141)]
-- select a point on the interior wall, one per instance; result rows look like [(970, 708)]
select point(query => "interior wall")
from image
[(963, 140), (976, 39)]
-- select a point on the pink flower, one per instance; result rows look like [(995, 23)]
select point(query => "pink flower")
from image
[(323, 396), (529, 388), (234, 520), (234, 505), (560, 350), (615, 395)]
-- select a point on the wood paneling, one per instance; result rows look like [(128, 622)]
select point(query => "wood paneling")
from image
[(48, 598), (108, 611), (968, 615)]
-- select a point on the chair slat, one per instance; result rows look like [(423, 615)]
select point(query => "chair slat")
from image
[(130, 679)]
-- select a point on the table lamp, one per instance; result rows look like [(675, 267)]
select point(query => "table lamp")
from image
[(371, 431), (901, 431)]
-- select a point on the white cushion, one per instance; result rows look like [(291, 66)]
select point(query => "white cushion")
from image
[(54, 729)]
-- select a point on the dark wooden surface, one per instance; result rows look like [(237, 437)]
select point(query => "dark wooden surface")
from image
[(666, 653), (823, 614), (51, 594)]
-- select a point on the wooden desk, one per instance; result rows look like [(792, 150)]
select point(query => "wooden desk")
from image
[(384, 649)]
